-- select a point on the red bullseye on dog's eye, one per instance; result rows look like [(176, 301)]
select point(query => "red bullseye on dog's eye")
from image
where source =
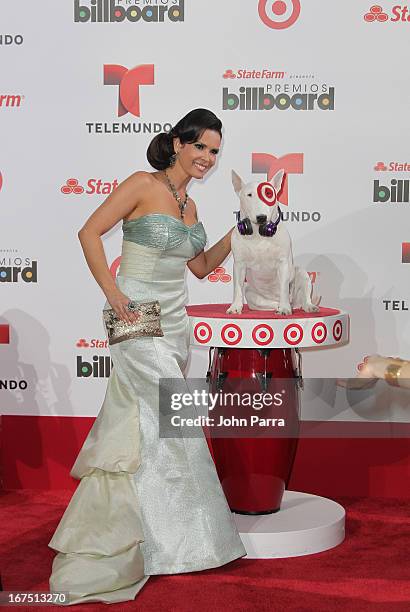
[(266, 193)]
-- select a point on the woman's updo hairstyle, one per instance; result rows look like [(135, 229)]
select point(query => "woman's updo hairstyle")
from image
[(188, 129)]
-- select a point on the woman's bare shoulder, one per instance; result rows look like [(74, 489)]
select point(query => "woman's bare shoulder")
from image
[(141, 178)]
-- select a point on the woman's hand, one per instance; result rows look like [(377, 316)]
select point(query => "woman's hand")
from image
[(371, 369), (119, 302)]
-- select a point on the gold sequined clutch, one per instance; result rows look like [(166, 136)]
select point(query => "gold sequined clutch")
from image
[(148, 324)]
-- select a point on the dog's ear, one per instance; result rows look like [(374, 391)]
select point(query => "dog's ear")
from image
[(236, 182), (277, 180)]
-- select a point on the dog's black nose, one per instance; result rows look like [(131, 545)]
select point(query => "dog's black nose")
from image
[(261, 218)]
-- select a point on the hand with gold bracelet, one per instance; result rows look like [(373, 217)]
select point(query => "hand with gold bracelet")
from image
[(393, 370)]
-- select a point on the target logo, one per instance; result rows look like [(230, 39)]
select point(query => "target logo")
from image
[(266, 193), (262, 334), (231, 334), (337, 330), (280, 14), (292, 163), (293, 334), (319, 333), (202, 332)]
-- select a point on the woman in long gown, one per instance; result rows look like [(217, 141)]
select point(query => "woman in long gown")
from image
[(147, 504)]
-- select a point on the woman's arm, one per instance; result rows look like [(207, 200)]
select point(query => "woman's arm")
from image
[(120, 202), (206, 261), (394, 370)]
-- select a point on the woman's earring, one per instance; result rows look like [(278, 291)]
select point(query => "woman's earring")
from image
[(172, 160)]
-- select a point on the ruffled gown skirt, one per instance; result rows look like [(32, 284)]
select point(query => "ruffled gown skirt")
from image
[(145, 505)]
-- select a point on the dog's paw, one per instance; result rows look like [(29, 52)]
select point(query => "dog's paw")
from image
[(234, 309), (284, 310), (311, 308)]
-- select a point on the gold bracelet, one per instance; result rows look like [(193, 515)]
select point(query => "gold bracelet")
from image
[(392, 374)]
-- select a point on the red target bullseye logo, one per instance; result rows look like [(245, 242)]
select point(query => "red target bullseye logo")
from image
[(231, 334), (337, 330), (293, 334), (202, 332), (266, 193), (262, 334), (279, 14), (319, 333)]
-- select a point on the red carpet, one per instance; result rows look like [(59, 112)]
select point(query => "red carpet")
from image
[(369, 571)]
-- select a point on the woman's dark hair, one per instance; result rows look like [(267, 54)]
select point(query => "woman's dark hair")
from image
[(188, 129)]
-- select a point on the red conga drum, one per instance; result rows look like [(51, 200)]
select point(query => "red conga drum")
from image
[(257, 353), (255, 471)]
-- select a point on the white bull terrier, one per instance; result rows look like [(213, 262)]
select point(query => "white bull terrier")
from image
[(262, 252)]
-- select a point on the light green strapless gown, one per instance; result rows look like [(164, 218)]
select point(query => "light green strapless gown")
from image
[(145, 505)]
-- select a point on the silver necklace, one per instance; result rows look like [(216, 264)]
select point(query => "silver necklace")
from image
[(181, 204)]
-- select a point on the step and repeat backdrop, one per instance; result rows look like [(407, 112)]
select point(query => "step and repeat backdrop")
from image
[(317, 88)]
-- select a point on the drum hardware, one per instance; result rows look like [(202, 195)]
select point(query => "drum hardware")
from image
[(298, 372), (210, 355), (220, 379), (263, 379), (265, 352)]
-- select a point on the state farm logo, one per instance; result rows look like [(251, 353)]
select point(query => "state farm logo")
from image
[(128, 82), (280, 14), (291, 163), (392, 167), (398, 13), (405, 252), (93, 343), (94, 186), (111, 11), (253, 74), (10, 101), (219, 274)]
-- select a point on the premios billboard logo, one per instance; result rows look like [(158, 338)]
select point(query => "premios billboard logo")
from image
[(14, 269), (398, 13), (280, 14), (391, 189), (128, 83), (289, 91), (291, 163), (118, 11)]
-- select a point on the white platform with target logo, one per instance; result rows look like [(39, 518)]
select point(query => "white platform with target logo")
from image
[(211, 326)]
